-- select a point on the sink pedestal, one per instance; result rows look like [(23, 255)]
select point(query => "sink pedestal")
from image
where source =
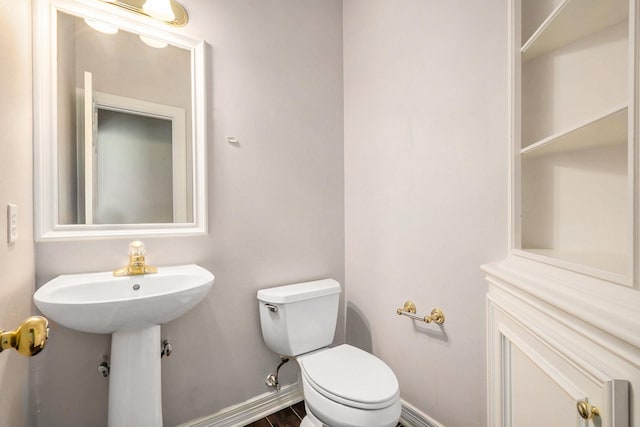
[(135, 396), (131, 309)]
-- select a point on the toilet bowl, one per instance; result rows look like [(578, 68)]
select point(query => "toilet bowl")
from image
[(342, 386)]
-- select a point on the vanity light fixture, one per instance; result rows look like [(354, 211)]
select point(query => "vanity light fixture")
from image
[(101, 26), (159, 9), (153, 42), (168, 11)]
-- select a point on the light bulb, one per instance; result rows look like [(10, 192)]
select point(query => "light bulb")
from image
[(153, 42), (159, 9), (103, 27)]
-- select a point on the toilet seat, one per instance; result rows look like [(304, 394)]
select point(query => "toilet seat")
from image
[(351, 377)]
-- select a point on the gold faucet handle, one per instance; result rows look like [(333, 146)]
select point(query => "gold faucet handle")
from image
[(137, 264), (136, 248), (29, 338)]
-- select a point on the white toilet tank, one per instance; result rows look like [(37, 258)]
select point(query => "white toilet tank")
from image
[(299, 318)]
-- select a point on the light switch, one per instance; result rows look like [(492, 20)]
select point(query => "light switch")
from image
[(12, 223)]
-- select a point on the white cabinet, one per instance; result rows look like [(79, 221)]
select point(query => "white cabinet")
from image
[(540, 378), (563, 308)]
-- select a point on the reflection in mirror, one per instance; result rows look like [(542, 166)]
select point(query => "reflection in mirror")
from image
[(125, 155), (131, 141), (132, 148), (123, 163)]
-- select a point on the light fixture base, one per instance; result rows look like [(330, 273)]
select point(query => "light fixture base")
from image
[(135, 6)]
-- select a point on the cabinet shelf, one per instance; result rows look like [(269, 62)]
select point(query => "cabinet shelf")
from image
[(571, 21), (609, 128), (611, 267)]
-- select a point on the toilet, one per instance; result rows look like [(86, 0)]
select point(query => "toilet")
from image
[(343, 386)]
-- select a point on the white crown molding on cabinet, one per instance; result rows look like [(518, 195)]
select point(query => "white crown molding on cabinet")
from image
[(560, 292)]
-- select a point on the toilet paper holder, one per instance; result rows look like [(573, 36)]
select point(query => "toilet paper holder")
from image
[(409, 310)]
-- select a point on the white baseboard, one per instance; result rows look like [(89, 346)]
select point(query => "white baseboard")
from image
[(413, 417), (260, 406), (252, 410)]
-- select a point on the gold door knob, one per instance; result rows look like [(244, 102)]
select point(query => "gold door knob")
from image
[(29, 338), (587, 411)]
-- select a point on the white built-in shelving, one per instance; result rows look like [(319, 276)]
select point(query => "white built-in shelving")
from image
[(609, 128), (573, 20), (563, 308), (573, 135)]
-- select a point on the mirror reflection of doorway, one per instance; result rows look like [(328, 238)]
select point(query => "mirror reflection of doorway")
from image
[(132, 169), (131, 160)]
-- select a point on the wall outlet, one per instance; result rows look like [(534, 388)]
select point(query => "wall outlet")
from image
[(12, 223)]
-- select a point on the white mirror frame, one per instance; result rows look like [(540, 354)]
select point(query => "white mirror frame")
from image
[(45, 121)]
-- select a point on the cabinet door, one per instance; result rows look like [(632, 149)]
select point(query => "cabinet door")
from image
[(540, 383)]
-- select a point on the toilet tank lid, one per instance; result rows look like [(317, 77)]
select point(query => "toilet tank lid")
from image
[(299, 291)]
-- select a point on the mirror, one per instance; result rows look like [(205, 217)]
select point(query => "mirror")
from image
[(118, 126)]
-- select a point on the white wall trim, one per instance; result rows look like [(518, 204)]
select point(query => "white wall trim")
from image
[(413, 417), (252, 410), (612, 309), (267, 403)]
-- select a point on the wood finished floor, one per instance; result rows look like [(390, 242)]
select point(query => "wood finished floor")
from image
[(287, 417)]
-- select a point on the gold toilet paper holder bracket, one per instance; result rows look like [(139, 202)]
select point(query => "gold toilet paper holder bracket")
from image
[(409, 310)]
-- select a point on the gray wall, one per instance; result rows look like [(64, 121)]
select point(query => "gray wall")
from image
[(276, 213), (16, 260), (426, 196)]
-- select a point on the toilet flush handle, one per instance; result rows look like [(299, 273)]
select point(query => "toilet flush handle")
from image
[(272, 308)]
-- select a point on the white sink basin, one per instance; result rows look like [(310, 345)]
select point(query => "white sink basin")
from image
[(101, 303), (131, 308)]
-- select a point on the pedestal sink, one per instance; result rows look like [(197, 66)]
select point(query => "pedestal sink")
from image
[(131, 308)]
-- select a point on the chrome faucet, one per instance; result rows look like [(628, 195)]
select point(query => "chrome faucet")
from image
[(137, 264)]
